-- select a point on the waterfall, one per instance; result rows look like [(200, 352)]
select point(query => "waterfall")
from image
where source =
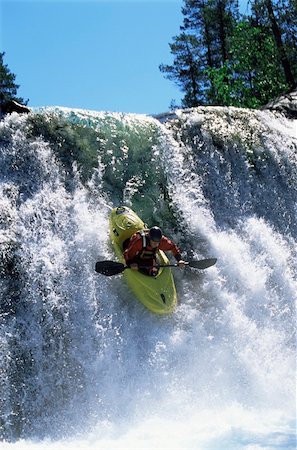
[(83, 363)]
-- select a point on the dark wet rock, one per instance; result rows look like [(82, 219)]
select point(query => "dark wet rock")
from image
[(286, 104), (13, 106)]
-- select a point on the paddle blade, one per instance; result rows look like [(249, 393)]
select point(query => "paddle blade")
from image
[(109, 268), (203, 263)]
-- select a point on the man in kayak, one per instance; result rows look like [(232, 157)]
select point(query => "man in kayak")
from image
[(142, 250)]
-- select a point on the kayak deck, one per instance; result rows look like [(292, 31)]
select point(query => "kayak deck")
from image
[(158, 293)]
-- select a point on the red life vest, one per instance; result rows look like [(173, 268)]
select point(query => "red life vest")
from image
[(147, 251)]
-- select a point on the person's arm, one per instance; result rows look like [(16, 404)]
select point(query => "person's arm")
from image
[(168, 245), (134, 247)]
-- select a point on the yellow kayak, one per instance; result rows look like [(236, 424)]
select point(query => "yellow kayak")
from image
[(158, 293)]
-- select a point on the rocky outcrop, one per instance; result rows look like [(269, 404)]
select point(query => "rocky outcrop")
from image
[(13, 106), (286, 104)]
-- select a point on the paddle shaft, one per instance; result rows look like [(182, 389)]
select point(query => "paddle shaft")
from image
[(158, 266), (110, 268)]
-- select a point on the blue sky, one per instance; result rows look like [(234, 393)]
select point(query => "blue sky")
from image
[(98, 54)]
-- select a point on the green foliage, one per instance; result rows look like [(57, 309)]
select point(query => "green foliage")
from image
[(251, 77), (8, 88), (233, 59)]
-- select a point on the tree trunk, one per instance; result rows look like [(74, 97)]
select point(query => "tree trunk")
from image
[(280, 46), (222, 33)]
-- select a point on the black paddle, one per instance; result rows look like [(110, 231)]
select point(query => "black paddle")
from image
[(110, 268)]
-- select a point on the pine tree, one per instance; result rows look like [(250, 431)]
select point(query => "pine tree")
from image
[(252, 72), (206, 30), (280, 45), (262, 59), (286, 11), (185, 70), (287, 18), (222, 58), (273, 16), (8, 88), (198, 23)]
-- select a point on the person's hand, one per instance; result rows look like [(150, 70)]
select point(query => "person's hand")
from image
[(134, 266), (154, 271), (181, 263)]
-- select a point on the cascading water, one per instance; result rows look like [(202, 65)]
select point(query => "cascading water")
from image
[(82, 363)]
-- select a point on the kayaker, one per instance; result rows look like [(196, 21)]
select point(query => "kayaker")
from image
[(142, 250)]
